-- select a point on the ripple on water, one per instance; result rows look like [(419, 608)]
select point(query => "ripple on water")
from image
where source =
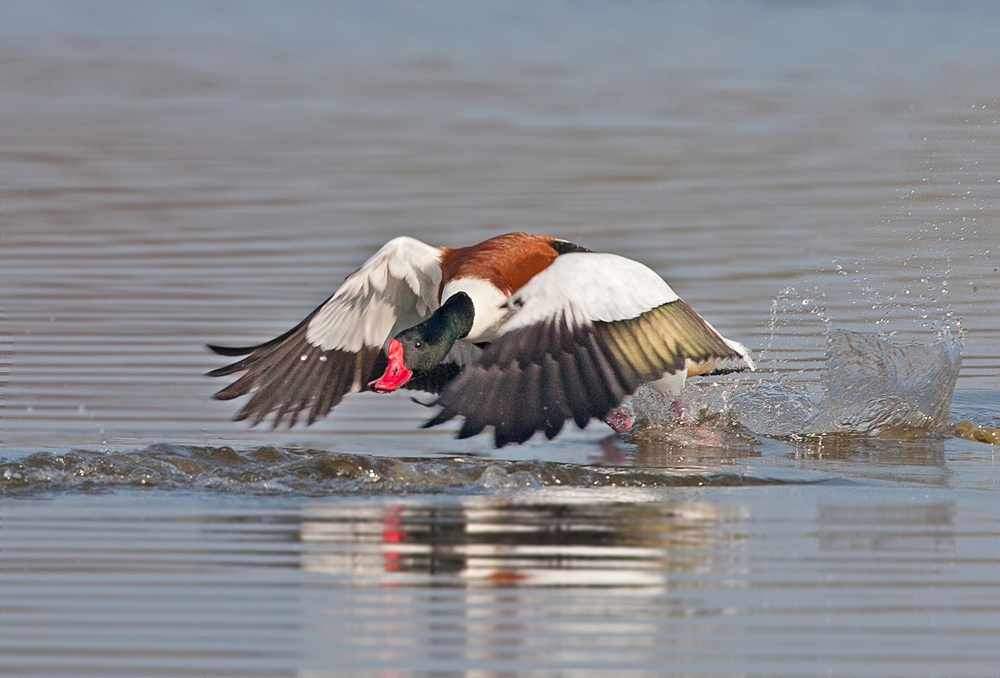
[(272, 470)]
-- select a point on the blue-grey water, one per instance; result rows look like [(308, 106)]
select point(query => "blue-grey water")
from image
[(173, 174)]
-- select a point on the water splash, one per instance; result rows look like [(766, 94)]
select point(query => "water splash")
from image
[(796, 329), (868, 386), (873, 386)]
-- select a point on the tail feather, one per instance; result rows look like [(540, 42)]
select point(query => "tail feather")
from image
[(744, 353)]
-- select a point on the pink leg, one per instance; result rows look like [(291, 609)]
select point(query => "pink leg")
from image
[(620, 419), (683, 412)]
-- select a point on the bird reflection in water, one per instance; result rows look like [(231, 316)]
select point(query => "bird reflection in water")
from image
[(488, 541)]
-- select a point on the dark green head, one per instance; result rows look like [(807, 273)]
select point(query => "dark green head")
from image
[(425, 345), (420, 351)]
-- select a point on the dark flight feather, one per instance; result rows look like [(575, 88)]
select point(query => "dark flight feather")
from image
[(536, 377)]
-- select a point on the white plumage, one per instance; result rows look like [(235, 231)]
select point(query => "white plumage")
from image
[(395, 289), (588, 287)]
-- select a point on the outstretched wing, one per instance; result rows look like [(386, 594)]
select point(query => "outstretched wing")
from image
[(585, 333), (333, 351)]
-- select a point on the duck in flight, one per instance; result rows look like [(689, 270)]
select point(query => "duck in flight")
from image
[(520, 332)]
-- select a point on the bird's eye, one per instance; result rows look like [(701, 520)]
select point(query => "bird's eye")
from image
[(418, 344)]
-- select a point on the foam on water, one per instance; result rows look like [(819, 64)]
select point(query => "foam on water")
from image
[(279, 471)]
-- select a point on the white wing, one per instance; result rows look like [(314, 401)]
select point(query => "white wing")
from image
[(394, 290), (335, 349), (584, 334), (588, 287)]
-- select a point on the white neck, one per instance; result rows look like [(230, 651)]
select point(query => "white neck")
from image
[(488, 301)]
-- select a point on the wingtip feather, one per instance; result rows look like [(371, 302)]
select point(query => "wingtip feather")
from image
[(230, 351), (224, 371), (439, 418)]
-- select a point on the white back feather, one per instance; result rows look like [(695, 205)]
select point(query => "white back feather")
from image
[(588, 287)]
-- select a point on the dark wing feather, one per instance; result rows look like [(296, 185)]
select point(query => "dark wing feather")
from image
[(288, 374), (535, 377), (310, 368)]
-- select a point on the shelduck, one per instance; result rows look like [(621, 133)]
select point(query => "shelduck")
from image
[(520, 332)]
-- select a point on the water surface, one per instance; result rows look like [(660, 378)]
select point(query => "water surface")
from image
[(174, 178)]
